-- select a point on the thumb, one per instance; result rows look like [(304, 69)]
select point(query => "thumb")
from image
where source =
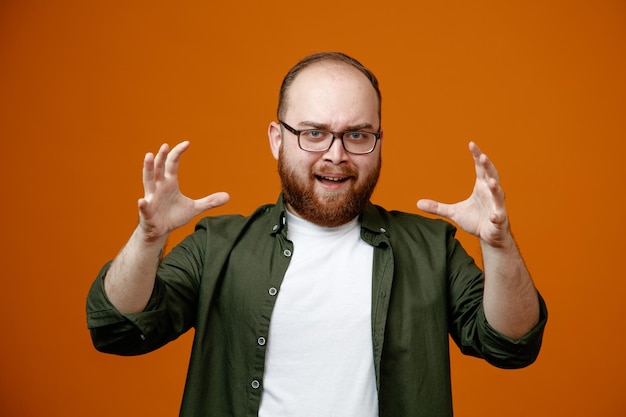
[(433, 207), (211, 201)]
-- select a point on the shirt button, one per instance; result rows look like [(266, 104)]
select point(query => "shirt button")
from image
[(287, 253), (261, 341), (273, 291), (275, 228), (255, 384)]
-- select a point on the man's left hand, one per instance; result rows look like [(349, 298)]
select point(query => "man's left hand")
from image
[(483, 214)]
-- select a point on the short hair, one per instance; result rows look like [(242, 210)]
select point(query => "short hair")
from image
[(337, 57)]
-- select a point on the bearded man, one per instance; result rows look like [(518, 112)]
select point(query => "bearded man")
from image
[(322, 304)]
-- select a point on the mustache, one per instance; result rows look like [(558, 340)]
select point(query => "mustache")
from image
[(333, 170)]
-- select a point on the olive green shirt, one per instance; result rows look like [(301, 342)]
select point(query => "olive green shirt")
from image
[(224, 279)]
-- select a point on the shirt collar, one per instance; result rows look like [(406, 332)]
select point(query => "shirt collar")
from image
[(373, 227), (279, 217)]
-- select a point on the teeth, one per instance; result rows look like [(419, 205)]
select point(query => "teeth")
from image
[(332, 179)]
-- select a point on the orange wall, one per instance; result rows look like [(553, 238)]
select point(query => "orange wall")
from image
[(87, 88)]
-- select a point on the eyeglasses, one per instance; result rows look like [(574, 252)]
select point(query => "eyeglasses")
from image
[(317, 140)]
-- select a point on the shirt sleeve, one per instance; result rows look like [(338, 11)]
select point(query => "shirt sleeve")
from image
[(123, 334), (505, 352), (170, 312), (468, 326)]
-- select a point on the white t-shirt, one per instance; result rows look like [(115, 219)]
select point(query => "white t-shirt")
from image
[(319, 360)]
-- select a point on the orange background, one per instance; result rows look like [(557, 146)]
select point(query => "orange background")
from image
[(88, 87)]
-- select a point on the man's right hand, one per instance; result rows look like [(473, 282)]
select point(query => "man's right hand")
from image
[(130, 279), (164, 208)]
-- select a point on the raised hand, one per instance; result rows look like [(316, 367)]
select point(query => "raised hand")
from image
[(510, 299), (483, 214), (164, 208)]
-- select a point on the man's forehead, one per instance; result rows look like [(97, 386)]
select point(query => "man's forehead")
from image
[(329, 78), (331, 69), (332, 90)]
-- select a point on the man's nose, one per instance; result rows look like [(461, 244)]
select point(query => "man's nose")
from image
[(336, 153)]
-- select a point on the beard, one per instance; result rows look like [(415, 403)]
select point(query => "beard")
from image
[(327, 209)]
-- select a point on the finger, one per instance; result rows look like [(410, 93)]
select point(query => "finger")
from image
[(143, 206), (496, 192), (145, 211), (211, 201), (434, 207), (159, 161), (173, 158), (498, 214), (148, 173), (479, 162), (474, 149), (484, 167)]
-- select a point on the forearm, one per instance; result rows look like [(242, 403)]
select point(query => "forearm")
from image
[(130, 280), (510, 300)]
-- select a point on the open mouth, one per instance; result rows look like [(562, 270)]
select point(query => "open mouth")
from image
[(331, 179)]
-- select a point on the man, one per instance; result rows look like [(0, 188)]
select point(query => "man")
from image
[(321, 304)]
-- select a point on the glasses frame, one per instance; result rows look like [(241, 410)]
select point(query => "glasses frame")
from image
[(335, 135)]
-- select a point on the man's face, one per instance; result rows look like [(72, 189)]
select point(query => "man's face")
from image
[(328, 188)]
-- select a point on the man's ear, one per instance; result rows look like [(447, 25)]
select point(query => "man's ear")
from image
[(274, 133)]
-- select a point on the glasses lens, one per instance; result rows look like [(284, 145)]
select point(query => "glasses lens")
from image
[(359, 142), (353, 142), (315, 140)]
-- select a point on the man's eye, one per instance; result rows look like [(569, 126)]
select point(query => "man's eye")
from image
[(355, 135), (314, 134)]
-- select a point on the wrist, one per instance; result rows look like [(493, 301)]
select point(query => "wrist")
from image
[(502, 243), (149, 239)]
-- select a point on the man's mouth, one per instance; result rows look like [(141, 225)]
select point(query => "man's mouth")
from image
[(331, 179)]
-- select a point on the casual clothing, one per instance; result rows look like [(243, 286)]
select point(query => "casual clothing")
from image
[(319, 359), (224, 280)]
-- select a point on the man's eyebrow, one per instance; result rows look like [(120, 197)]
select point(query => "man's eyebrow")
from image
[(323, 126)]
